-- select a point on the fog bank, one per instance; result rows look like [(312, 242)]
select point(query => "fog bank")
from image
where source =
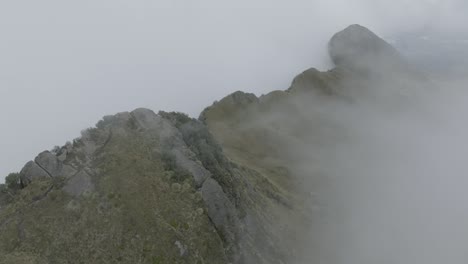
[(65, 65), (392, 188)]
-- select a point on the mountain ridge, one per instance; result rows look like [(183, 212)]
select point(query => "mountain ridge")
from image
[(166, 188)]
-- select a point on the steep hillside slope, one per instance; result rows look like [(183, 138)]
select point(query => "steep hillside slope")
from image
[(145, 187)]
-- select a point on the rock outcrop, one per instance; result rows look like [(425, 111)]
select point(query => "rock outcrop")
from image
[(357, 46)]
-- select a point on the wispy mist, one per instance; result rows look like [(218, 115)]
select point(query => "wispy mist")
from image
[(387, 176), (65, 65)]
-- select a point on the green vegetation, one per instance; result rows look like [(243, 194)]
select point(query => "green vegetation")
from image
[(12, 181), (199, 139), (135, 214), (172, 171), (143, 207)]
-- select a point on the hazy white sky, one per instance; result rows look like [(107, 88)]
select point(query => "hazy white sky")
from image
[(65, 64)]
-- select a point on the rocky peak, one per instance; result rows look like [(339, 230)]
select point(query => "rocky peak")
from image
[(357, 46), (232, 105)]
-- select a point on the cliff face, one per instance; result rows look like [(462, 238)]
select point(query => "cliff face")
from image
[(143, 187)]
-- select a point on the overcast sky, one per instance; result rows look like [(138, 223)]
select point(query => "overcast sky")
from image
[(65, 64)]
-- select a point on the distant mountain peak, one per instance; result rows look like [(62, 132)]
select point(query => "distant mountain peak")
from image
[(357, 46)]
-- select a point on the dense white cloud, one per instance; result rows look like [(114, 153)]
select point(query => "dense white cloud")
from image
[(64, 64)]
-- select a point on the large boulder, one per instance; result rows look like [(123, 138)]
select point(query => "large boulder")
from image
[(31, 171), (53, 166), (45, 165)]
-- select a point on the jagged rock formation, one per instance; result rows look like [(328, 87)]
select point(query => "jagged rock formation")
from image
[(143, 187)]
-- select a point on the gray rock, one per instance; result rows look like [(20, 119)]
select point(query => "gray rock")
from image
[(182, 248), (62, 156), (31, 171), (89, 144), (242, 98), (357, 46), (79, 184), (45, 165), (168, 134), (231, 104), (171, 139), (220, 209), (199, 173), (50, 163), (63, 152), (53, 166), (147, 119)]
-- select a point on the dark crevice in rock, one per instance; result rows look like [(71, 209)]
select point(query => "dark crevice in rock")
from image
[(201, 186), (100, 149), (108, 139), (48, 173)]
